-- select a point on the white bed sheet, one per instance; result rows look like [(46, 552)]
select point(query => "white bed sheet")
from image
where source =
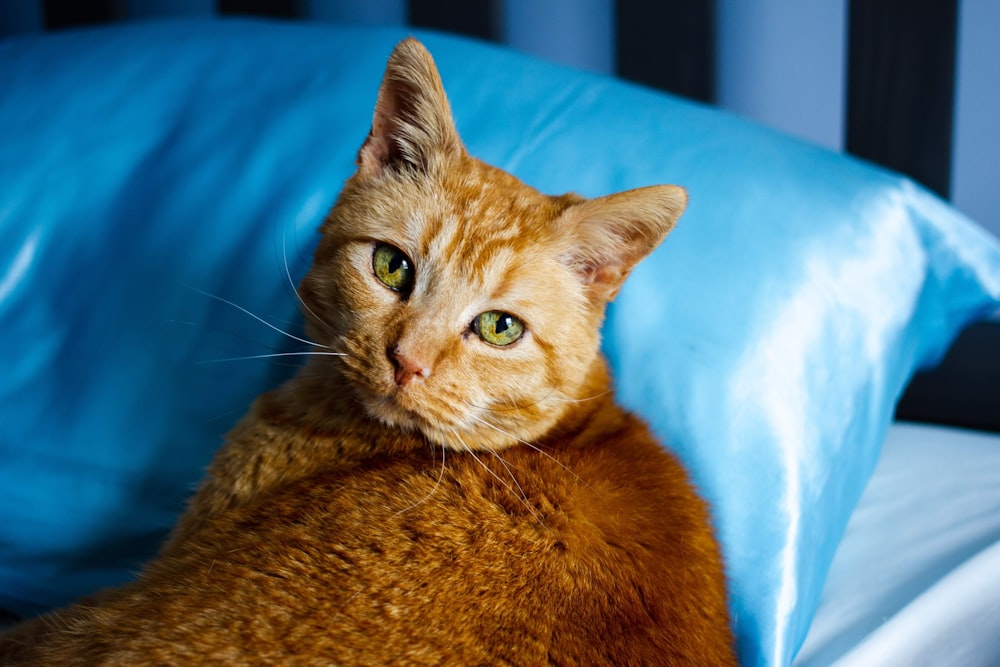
[(916, 580)]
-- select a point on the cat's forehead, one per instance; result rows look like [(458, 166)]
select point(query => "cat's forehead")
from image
[(481, 194), (469, 226), (481, 221)]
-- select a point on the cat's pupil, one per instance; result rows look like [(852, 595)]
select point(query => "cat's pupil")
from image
[(393, 268), (497, 328)]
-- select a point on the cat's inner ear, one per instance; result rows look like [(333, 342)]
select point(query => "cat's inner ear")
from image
[(412, 126), (606, 237)]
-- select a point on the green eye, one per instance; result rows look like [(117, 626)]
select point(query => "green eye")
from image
[(498, 328), (393, 268)]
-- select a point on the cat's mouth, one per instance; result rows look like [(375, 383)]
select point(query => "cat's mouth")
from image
[(396, 408), (387, 409), (443, 422)]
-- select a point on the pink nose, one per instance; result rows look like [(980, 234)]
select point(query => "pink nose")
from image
[(407, 368)]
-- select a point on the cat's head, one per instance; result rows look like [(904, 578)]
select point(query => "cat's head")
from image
[(467, 303)]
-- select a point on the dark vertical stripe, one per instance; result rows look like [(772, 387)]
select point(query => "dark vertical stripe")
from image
[(901, 81), (74, 13), (668, 45), (279, 9), (964, 390), (474, 18), (20, 17), (150, 9)]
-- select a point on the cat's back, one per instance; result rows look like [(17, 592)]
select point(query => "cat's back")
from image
[(539, 554)]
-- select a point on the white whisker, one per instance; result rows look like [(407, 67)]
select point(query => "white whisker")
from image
[(510, 472), (259, 319), (432, 491), (522, 497), (578, 400), (291, 283), (528, 444), (548, 397), (307, 353)]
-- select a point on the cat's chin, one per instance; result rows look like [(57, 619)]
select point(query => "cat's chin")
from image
[(389, 412)]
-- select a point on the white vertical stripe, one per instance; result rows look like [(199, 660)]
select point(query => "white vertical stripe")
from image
[(579, 33), (783, 63), (975, 181)]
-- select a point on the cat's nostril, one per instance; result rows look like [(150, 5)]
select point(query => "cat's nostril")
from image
[(392, 351), (406, 368)]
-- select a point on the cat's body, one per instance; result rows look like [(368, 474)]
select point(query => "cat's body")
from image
[(460, 487)]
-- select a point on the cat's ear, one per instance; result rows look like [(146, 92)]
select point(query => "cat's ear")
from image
[(606, 237), (412, 125)]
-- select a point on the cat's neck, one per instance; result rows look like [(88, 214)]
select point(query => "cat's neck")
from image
[(590, 414), (312, 424)]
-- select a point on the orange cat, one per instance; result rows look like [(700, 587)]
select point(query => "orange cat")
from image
[(449, 479)]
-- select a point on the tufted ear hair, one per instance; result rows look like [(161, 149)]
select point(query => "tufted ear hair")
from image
[(412, 126), (605, 238)]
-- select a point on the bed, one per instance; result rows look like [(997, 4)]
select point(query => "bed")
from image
[(160, 185), (915, 580)]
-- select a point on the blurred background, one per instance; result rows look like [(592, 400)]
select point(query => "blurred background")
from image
[(910, 84), (913, 85)]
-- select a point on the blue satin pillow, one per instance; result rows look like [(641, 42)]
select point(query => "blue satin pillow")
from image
[(156, 180)]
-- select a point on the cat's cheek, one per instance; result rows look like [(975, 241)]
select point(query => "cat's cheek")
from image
[(514, 374)]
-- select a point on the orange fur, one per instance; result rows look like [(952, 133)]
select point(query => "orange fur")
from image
[(495, 506)]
